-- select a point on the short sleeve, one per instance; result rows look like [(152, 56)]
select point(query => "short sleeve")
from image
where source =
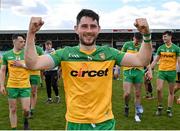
[(178, 52), (40, 50), (57, 56), (158, 51), (4, 60), (118, 55), (124, 48)]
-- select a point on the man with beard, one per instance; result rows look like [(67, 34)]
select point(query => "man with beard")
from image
[(87, 70)]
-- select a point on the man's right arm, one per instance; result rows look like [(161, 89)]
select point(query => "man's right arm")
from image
[(2, 79), (32, 60), (155, 61)]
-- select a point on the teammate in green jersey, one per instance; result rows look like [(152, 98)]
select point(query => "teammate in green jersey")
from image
[(87, 70), (168, 55), (18, 85), (133, 77)]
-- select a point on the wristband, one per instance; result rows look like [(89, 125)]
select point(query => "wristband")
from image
[(146, 35), (147, 38), (147, 41)]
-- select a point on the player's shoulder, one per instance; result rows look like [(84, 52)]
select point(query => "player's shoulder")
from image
[(38, 47), (104, 48), (66, 50), (128, 43), (8, 52), (7, 55), (69, 48), (162, 46), (107, 49), (175, 46)]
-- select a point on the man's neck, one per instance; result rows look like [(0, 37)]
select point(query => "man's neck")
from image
[(136, 44), (168, 43), (16, 50), (87, 48), (49, 49)]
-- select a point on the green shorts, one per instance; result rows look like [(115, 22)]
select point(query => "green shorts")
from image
[(106, 125), (14, 93), (170, 76), (133, 76), (35, 79)]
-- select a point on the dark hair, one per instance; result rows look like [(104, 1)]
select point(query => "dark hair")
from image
[(88, 13), (169, 33), (15, 36), (48, 42), (138, 35)]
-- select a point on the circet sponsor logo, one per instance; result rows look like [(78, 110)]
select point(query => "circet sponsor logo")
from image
[(89, 73)]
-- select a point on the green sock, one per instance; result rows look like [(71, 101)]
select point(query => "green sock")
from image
[(32, 110), (169, 108), (13, 128)]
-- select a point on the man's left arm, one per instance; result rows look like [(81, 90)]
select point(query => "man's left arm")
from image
[(143, 57)]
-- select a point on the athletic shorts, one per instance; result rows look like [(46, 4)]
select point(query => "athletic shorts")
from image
[(14, 93), (178, 77), (106, 125), (169, 76), (35, 79), (133, 76)]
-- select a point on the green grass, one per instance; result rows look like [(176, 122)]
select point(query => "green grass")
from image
[(52, 116)]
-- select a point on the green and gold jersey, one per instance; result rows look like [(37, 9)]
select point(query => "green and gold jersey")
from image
[(18, 77), (168, 57), (39, 52), (88, 82), (130, 47)]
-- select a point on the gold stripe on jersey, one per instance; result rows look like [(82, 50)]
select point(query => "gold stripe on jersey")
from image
[(88, 96), (128, 68), (35, 72), (167, 61), (18, 77)]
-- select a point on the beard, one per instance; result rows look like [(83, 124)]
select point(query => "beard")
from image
[(84, 41)]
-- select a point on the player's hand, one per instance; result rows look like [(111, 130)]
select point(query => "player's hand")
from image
[(3, 90), (35, 24), (178, 101), (142, 25), (148, 74), (18, 63)]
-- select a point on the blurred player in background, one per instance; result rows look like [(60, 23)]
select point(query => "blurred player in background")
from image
[(168, 55), (18, 85)]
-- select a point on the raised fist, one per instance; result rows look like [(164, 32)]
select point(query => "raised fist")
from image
[(142, 25), (35, 24)]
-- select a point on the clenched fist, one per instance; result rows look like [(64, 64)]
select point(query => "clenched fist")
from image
[(142, 25), (35, 24)]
